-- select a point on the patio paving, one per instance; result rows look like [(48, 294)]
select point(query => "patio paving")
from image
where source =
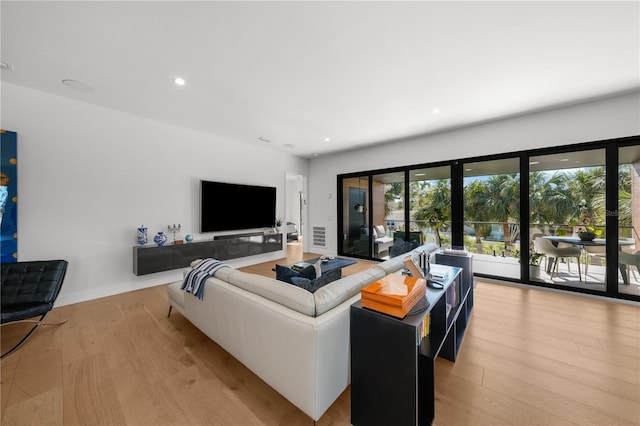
[(509, 267)]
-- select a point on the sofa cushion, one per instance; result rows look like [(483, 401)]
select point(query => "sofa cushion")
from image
[(280, 292), (284, 273), (223, 273), (384, 240), (315, 284), (395, 263), (429, 248), (336, 292)]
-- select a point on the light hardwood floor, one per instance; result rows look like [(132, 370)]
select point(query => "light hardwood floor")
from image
[(528, 357)]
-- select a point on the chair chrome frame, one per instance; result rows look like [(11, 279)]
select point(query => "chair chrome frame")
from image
[(29, 290)]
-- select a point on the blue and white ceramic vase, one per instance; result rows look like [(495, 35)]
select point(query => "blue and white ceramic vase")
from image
[(160, 238), (188, 238), (142, 235)]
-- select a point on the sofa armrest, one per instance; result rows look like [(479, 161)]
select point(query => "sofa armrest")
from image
[(280, 345)]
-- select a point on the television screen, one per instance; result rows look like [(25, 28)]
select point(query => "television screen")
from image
[(229, 206)]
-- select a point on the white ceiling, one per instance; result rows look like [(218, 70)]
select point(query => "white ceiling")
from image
[(299, 72)]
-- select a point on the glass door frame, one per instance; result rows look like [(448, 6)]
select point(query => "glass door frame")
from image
[(611, 147), (611, 219)]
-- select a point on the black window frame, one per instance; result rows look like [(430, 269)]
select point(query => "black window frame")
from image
[(611, 147)]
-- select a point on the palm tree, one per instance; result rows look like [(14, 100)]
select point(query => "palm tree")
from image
[(476, 200), (418, 198), (436, 207), (625, 196), (538, 203), (504, 203), (550, 199), (393, 196), (588, 188), (561, 203)]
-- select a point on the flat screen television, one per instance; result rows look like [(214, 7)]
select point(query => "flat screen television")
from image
[(230, 206)]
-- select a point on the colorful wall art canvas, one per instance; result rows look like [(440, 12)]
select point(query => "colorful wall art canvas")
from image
[(9, 197)]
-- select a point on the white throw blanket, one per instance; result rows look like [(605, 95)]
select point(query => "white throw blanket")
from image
[(194, 280)]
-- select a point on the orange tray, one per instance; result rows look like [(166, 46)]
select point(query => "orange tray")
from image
[(394, 294)]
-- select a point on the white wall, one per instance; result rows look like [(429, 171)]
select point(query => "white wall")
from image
[(294, 186), (613, 117), (89, 176)]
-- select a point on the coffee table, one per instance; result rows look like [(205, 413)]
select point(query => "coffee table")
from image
[(330, 265)]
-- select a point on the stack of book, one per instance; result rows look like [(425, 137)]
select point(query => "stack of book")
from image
[(423, 329), (438, 273), (300, 266), (394, 294)]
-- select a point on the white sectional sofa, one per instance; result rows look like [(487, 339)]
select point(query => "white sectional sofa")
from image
[(294, 340)]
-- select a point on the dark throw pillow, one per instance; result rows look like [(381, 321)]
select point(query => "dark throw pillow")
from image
[(284, 273), (326, 278), (313, 285), (301, 282), (308, 272)]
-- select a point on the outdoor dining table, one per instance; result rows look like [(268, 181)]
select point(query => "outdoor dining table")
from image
[(595, 242)]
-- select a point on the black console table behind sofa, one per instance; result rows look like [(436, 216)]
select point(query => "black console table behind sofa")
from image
[(150, 259), (392, 368)]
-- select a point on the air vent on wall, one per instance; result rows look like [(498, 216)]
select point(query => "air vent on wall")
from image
[(319, 238)]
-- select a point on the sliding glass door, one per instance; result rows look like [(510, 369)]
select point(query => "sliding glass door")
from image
[(567, 197), (564, 217), (629, 220), (355, 218), (387, 212), (492, 216), (430, 201)]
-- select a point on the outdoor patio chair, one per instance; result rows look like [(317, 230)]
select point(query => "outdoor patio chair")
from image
[(29, 290), (546, 247), (598, 252), (532, 246), (630, 260), (537, 235)]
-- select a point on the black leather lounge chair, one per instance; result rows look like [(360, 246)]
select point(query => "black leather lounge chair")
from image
[(29, 290)]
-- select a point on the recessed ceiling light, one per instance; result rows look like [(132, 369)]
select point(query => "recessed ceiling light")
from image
[(420, 174), (288, 145), (315, 154), (435, 111), (467, 170), (327, 139), (78, 85), (179, 81), (532, 163), (564, 159)]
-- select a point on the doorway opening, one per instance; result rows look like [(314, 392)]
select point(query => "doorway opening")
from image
[(295, 206)]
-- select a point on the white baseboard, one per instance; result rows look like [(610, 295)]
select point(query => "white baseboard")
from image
[(153, 280)]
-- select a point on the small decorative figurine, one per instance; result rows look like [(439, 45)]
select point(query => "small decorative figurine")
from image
[(174, 229), (160, 238), (142, 235)]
